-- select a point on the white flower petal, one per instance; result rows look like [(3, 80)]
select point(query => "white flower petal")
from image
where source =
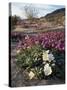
[(51, 57), (45, 56), (26, 37), (47, 51), (53, 64), (31, 75), (47, 70), (18, 51), (44, 62)]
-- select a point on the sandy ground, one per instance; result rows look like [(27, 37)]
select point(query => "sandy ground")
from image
[(32, 30)]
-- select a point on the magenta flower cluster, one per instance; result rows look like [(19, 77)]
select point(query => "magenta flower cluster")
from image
[(49, 40)]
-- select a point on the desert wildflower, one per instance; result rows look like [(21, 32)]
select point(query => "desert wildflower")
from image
[(45, 56), (47, 70), (18, 51), (31, 75)]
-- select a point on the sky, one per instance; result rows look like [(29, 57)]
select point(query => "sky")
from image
[(42, 9)]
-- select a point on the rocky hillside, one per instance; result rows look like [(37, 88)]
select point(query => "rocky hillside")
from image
[(57, 17)]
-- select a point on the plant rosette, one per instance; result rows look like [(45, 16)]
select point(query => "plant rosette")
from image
[(40, 60)]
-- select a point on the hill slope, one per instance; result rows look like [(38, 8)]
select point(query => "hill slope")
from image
[(57, 17)]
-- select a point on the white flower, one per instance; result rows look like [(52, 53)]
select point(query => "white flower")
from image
[(47, 70), (26, 37), (45, 55), (28, 47), (51, 57), (18, 51), (31, 75), (44, 62), (47, 51), (53, 64)]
